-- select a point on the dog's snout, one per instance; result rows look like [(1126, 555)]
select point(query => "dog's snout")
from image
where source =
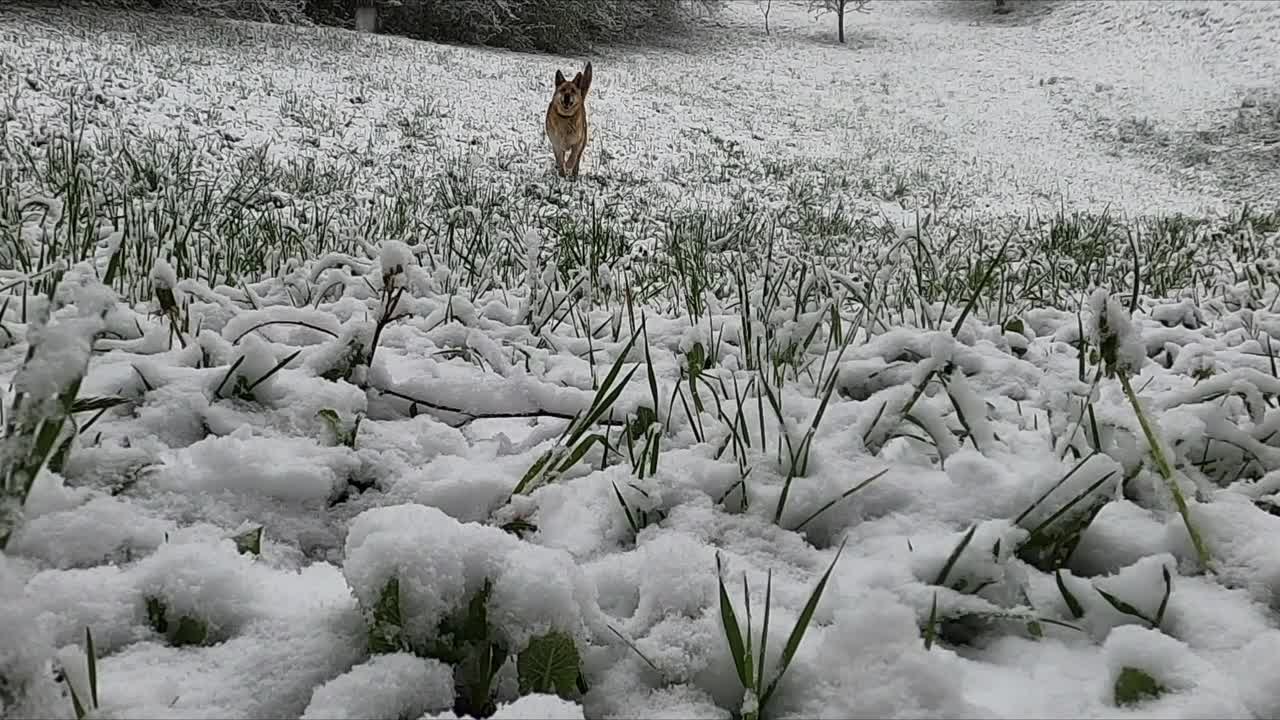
[(567, 99)]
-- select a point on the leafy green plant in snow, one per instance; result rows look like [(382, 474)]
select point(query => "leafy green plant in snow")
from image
[(185, 630), (1134, 686), (549, 665)]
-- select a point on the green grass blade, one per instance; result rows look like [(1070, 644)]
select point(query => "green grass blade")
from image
[(634, 649), (832, 503), (1073, 605), (955, 556), (931, 625), (91, 658), (732, 633), (798, 631), (648, 362), (977, 292), (1164, 601), (217, 392), (599, 406), (1066, 508), (631, 520), (533, 472), (277, 368), (1045, 495), (764, 631), (579, 451)]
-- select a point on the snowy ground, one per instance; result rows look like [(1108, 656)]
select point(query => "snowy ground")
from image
[(364, 398)]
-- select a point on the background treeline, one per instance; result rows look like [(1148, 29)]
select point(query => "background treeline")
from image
[(548, 25)]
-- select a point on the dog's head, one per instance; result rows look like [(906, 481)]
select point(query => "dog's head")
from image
[(570, 94)]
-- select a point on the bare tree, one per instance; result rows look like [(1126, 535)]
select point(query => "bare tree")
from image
[(840, 8), (765, 7)]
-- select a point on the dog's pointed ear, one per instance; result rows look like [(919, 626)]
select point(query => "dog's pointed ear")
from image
[(559, 78), (583, 80)]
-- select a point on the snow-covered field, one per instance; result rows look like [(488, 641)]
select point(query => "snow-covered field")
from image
[(871, 381)]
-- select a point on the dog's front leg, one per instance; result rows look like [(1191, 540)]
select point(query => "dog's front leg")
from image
[(575, 159), (557, 152), (564, 157)]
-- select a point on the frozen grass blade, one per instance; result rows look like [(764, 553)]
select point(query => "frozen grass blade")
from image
[(91, 665), (1129, 609), (91, 656), (947, 567), (1073, 605), (902, 415), (635, 649), (732, 632), (832, 503), (38, 433), (931, 625), (1137, 266), (764, 630), (1067, 507), (750, 658), (1045, 495), (299, 323), (268, 374), (751, 667), (631, 520), (648, 362), (1166, 472), (231, 371), (76, 705), (1164, 601), (996, 262), (606, 395), (798, 631)]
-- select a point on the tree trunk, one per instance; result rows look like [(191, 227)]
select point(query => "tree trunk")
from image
[(840, 19), (367, 19)]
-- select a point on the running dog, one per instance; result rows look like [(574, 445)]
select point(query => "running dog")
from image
[(566, 123)]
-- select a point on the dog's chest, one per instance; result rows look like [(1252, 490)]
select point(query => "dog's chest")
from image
[(566, 130)]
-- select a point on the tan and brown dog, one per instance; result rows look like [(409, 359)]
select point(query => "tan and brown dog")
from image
[(566, 124)]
